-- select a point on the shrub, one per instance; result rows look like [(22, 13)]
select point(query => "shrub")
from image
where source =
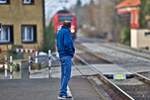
[(125, 36), (49, 38)]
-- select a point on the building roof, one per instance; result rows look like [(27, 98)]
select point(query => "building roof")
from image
[(129, 3)]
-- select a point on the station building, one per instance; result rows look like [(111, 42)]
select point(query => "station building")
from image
[(22, 24)]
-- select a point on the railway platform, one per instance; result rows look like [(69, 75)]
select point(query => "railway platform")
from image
[(45, 89)]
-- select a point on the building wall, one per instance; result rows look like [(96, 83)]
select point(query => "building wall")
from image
[(140, 38), (16, 14), (134, 38)]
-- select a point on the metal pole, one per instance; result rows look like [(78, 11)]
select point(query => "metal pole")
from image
[(5, 67), (6, 72), (49, 53), (36, 57), (49, 62), (11, 70), (30, 62), (0, 27), (20, 65)]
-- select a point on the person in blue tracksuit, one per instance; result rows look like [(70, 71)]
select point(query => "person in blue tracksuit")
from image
[(66, 50)]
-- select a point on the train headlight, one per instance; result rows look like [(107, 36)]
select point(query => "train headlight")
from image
[(72, 30)]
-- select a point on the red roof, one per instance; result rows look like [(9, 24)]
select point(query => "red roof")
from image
[(129, 3)]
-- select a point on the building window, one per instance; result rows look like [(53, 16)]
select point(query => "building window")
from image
[(4, 1), (28, 2), (28, 33), (6, 34)]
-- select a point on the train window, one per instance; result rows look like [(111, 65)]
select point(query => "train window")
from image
[(28, 33), (28, 2), (4, 1), (63, 18), (6, 34)]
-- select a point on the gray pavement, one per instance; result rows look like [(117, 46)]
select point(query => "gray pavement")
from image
[(82, 89), (44, 89), (37, 89)]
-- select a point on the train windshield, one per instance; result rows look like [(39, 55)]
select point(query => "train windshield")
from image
[(63, 18)]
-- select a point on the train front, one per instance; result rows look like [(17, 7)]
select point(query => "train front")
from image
[(60, 18)]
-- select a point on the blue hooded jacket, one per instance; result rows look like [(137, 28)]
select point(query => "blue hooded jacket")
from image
[(65, 44)]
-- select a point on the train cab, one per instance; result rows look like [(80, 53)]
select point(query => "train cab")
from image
[(60, 17)]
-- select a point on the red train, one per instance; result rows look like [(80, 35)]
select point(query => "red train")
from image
[(63, 15)]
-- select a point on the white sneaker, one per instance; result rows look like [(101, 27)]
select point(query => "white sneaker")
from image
[(61, 97), (69, 96)]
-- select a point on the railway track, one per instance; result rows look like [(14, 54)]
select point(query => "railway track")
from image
[(128, 59), (124, 49), (145, 55), (105, 86), (145, 74), (136, 88)]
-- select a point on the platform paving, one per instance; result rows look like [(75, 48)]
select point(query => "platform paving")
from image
[(37, 89), (82, 89), (45, 89)]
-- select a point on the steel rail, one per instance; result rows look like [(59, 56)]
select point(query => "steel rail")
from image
[(100, 57), (143, 78), (132, 52), (107, 81)]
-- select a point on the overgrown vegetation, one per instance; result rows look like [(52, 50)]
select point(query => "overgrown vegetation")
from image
[(145, 11), (49, 38), (125, 35)]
